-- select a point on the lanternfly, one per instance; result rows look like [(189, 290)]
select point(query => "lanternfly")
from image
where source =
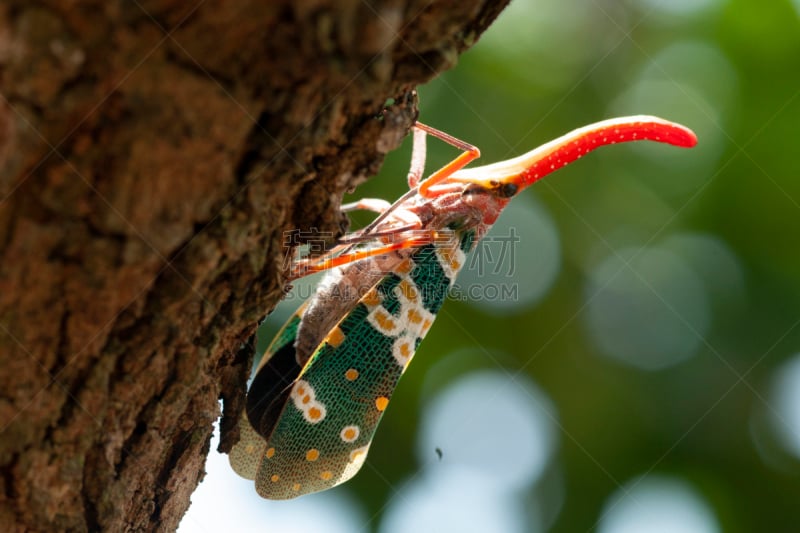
[(327, 378)]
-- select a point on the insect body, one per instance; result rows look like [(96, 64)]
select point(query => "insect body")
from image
[(328, 376)]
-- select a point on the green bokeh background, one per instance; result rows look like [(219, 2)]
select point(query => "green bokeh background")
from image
[(729, 70)]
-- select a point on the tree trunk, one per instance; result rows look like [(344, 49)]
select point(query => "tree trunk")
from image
[(153, 154)]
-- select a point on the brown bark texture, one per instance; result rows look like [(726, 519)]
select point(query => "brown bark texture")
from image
[(153, 153)]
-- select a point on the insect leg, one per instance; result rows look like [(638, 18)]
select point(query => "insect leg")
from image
[(418, 153), (376, 205), (417, 238), (409, 221), (306, 267), (470, 154), (356, 238)]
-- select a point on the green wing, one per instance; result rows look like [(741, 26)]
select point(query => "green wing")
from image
[(327, 423), (309, 429), (275, 374)]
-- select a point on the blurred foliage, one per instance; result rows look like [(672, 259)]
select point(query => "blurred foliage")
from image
[(731, 71)]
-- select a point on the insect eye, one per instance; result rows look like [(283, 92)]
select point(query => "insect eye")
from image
[(507, 190)]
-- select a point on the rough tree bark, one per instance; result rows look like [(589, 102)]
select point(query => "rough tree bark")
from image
[(152, 155)]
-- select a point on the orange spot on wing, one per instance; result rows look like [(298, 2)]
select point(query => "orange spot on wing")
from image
[(414, 316), (351, 374), (314, 413), (371, 298), (296, 487), (312, 454), (270, 453), (274, 478), (405, 350), (358, 452), (335, 338), (349, 433), (408, 290), (326, 475), (384, 321), (455, 264), (405, 266), (381, 402)]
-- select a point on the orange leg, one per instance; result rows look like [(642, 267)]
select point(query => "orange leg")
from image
[(470, 154), (376, 205), (417, 168), (356, 238), (305, 267)]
